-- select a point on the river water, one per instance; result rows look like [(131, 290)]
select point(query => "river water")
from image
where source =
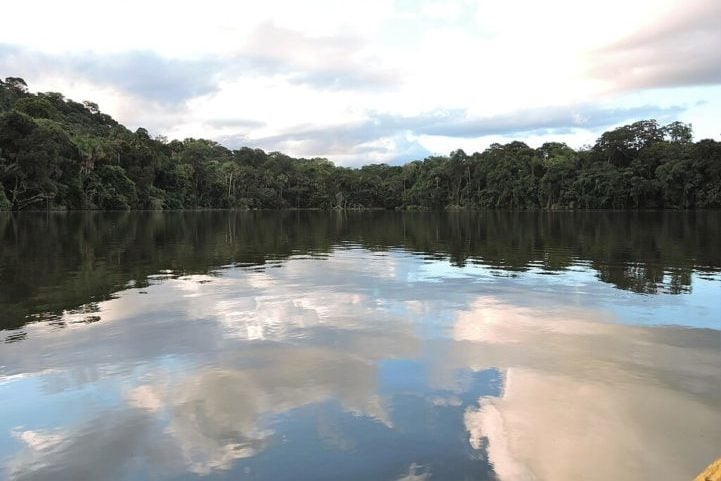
[(360, 346)]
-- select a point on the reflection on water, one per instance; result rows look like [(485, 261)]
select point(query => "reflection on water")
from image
[(380, 346)]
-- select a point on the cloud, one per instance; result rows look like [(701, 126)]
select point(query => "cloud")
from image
[(568, 371), (143, 74), (250, 306), (487, 422), (202, 434), (39, 440), (330, 62), (390, 138), (683, 48), (270, 341), (234, 123), (353, 144), (439, 70), (272, 374), (325, 62), (110, 441), (211, 437), (545, 119), (414, 475)]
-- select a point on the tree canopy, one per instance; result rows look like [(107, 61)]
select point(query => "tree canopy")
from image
[(59, 154)]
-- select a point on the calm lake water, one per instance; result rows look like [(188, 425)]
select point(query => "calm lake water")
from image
[(371, 346)]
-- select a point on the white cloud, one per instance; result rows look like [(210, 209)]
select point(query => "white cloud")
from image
[(39, 440), (556, 391), (323, 64), (414, 475)]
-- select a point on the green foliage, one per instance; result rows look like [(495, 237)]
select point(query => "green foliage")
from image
[(57, 153), (4, 202), (36, 107), (116, 191)]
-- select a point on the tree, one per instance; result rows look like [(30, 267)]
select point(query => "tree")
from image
[(36, 107), (678, 132), (17, 84), (92, 107), (57, 153), (4, 202)]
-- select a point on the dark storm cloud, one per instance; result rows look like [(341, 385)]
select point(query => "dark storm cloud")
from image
[(683, 49)]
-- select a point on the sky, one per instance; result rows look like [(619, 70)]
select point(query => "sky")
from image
[(378, 80)]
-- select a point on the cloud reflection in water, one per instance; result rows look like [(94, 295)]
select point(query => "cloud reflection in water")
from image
[(360, 359)]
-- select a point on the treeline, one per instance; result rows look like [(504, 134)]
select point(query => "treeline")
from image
[(59, 154)]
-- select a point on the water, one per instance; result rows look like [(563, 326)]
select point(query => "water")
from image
[(375, 346)]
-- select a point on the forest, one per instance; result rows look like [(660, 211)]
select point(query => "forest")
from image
[(58, 154)]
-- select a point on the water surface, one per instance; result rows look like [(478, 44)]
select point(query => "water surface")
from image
[(374, 346)]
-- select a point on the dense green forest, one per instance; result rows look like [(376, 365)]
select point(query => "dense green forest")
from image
[(59, 154)]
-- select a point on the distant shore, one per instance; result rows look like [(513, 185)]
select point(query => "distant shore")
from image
[(57, 154)]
